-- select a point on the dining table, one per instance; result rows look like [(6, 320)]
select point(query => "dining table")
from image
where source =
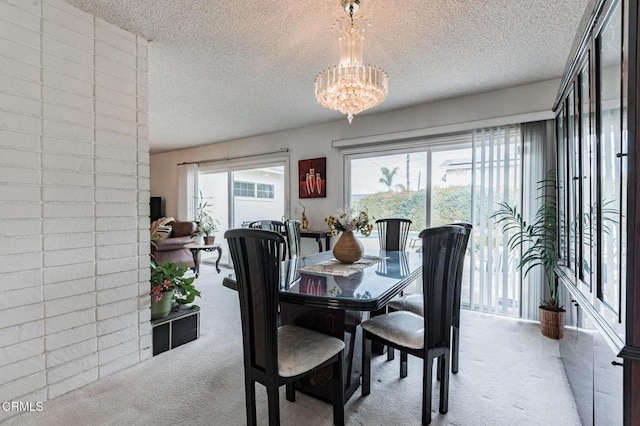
[(320, 293)]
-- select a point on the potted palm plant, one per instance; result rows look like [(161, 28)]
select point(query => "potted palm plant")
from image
[(207, 224), (537, 244)]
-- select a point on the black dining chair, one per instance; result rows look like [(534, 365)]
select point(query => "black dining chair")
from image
[(276, 355), (393, 232), (414, 303), (270, 225), (292, 228), (392, 235), (429, 336)]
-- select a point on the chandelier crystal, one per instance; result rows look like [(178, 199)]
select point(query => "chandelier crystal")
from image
[(351, 87)]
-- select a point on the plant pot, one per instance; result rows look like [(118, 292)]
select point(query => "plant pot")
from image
[(348, 249), (161, 308), (551, 323), (209, 240)]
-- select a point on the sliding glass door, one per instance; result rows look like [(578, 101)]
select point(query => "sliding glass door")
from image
[(390, 185), (442, 181), (242, 194)]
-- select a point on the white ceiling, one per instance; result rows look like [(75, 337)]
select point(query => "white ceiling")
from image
[(222, 70)]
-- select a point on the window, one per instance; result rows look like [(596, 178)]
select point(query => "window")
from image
[(254, 190), (244, 189), (265, 190)]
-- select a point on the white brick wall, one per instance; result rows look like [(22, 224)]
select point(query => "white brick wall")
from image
[(74, 185)]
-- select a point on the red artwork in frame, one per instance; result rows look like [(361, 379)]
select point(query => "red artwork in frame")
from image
[(312, 178)]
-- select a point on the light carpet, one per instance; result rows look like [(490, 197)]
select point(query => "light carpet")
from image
[(509, 375)]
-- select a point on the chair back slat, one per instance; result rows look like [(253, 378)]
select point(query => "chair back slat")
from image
[(268, 225), (292, 228), (441, 248), (457, 292), (393, 232), (256, 258)]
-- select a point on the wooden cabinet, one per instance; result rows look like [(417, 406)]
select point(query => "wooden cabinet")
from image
[(598, 210), (577, 357), (594, 371), (608, 380)]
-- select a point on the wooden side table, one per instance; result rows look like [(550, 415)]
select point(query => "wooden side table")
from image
[(318, 235), (197, 248)]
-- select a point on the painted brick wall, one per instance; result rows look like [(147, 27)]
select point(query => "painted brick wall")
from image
[(74, 200)]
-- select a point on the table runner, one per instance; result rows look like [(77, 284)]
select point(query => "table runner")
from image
[(337, 268)]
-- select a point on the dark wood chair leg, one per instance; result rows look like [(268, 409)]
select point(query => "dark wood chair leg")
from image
[(390, 354), (250, 399), (377, 348), (444, 384), (427, 383), (273, 398), (403, 364), (338, 391), (366, 366), (352, 347), (455, 349), (291, 392), (439, 370)]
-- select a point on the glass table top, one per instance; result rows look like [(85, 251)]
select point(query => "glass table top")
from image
[(319, 280)]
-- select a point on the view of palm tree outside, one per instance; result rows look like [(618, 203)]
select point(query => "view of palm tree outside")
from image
[(401, 190), (386, 186)]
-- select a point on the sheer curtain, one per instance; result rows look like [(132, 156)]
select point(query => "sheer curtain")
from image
[(187, 191), (539, 150)]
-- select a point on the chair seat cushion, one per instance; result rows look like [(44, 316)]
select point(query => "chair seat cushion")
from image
[(402, 328), (300, 349), (412, 303)]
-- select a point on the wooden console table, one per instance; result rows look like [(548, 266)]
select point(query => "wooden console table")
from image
[(197, 248)]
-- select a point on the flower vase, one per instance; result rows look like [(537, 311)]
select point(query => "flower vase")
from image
[(348, 249), (162, 307)]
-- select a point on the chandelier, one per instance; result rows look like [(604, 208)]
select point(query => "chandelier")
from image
[(351, 87)]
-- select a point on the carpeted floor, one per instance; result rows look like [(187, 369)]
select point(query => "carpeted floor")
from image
[(509, 375)]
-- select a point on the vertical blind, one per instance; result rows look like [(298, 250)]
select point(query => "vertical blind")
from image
[(495, 285)]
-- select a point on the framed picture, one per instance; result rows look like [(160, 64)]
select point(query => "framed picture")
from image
[(312, 175)]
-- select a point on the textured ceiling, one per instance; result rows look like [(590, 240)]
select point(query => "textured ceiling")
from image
[(222, 70)]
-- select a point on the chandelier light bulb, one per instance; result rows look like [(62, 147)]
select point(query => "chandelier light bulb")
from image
[(351, 87)]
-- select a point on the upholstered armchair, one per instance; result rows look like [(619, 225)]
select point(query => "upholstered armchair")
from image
[(171, 248)]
